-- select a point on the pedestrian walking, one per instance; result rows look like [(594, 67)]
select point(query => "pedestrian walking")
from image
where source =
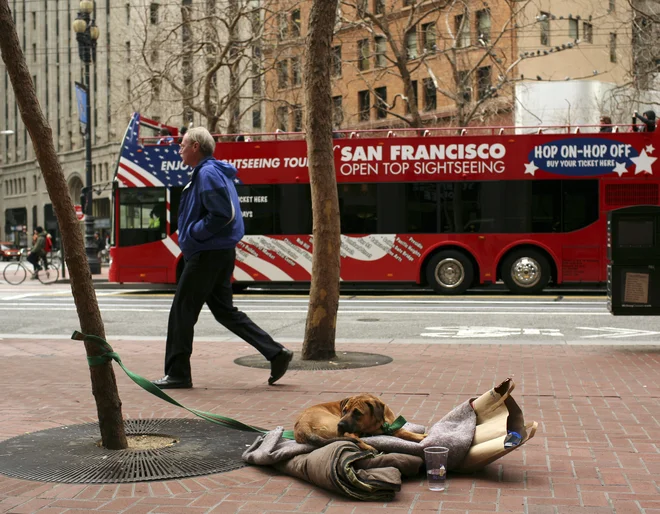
[(210, 226)]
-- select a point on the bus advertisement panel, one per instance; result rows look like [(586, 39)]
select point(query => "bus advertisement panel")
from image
[(445, 210)]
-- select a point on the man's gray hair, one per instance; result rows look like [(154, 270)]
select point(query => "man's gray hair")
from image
[(204, 138)]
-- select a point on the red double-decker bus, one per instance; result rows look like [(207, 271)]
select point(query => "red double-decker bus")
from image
[(444, 208)]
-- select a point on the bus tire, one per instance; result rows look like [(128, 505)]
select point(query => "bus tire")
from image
[(450, 272), (526, 271)]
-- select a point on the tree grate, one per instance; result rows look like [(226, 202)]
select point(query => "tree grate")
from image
[(343, 360), (70, 454)]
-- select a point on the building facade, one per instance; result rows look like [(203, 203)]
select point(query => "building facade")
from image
[(462, 64), (137, 68)]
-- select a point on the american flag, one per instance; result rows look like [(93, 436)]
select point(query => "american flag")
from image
[(149, 165)]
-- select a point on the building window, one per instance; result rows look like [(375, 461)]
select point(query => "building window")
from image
[(34, 20), (128, 51), (283, 117), (588, 32), (612, 6), (381, 102), (612, 47), (483, 82), (336, 61), (128, 89), (411, 43), (296, 73), (256, 118), (363, 54), (544, 24), (297, 118), (128, 14), (295, 23), (413, 100), (282, 26), (428, 37), (462, 28), (573, 29), (464, 85), (282, 74), (362, 6), (153, 13), (337, 111), (379, 6), (381, 49), (483, 25), (34, 182), (430, 95), (364, 105), (155, 87)]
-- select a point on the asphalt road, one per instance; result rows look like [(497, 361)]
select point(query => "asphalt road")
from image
[(408, 317)]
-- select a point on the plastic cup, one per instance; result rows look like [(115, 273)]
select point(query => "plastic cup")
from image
[(436, 467)]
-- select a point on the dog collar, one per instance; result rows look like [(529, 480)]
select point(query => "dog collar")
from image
[(390, 428)]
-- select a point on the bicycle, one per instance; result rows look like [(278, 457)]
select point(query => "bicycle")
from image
[(15, 273)]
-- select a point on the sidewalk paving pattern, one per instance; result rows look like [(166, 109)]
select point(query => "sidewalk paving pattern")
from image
[(597, 449)]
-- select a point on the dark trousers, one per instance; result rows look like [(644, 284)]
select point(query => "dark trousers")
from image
[(33, 259), (206, 278)]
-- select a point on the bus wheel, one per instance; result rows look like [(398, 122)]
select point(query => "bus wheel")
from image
[(450, 272), (526, 271)]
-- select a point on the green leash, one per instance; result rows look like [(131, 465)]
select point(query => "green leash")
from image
[(109, 354)]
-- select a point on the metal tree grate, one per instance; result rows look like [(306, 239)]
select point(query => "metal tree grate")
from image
[(344, 360), (70, 454)]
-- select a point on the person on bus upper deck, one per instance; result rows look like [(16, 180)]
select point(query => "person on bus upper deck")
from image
[(165, 137), (648, 119), (210, 227), (606, 124)]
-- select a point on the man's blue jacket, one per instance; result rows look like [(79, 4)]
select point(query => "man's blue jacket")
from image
[(210, 215)]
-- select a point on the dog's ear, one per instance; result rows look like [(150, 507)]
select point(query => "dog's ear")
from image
[(342, 404), (378, 408)]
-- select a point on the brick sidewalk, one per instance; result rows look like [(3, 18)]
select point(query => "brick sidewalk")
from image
[(597, 448)]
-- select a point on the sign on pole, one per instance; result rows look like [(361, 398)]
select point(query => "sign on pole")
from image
[(79, 212), (81, 99)]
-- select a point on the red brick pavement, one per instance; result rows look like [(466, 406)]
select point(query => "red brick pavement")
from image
[(597, 449)]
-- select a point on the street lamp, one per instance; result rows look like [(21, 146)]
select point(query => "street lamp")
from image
[(86, 34)]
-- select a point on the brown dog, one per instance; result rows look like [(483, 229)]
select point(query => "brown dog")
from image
[(347, 420)]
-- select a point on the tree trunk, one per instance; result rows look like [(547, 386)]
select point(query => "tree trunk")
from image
[(104, 386), (321, 323)]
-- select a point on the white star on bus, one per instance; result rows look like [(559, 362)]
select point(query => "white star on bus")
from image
[(620, 168), (530, 168), (649, 149), (643, 163)]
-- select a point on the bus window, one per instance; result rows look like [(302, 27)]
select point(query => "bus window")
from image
[(357, 208), (293, 209), (422, 208), (580, 204), (141, 215), (391, 208), (546, 206), (175, 200), (467, 207), (257, 204)]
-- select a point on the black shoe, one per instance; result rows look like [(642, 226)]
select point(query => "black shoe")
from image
[(168, 382), (279, 365)]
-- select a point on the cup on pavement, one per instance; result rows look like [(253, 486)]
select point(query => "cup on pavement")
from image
[(435, 458)]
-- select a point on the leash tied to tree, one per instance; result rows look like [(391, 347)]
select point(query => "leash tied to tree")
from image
[(109, 354)]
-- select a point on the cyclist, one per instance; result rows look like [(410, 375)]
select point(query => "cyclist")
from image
[(38, 250)]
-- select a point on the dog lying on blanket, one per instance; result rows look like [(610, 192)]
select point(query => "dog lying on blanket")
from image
[(348, 420)]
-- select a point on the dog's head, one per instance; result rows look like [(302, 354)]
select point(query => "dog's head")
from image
[(362, 414)]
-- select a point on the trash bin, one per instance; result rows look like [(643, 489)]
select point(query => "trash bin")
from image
[(633, 251)]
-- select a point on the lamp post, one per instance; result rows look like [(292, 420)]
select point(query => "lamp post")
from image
[(86, 34)]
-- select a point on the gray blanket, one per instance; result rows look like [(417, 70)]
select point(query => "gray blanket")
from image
[(343, 468), (454, 431)]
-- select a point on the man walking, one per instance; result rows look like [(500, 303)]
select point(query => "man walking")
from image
[(210, 226)]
